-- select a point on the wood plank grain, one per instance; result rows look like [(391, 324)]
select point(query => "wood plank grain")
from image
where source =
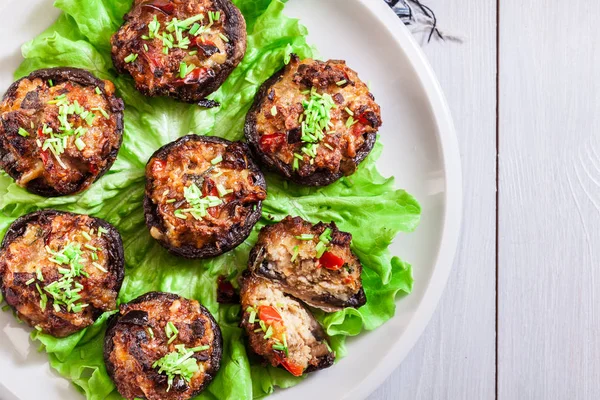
[(455, 357), (549, 230)]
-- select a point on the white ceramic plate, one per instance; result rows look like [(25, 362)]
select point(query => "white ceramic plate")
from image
[(420, 151)]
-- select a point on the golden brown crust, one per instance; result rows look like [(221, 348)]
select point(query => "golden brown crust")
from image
[(29, 110), (235, 182), (274, 124), (293, 265), (26, 265), (136, 339), (305, 339), (214, 53)]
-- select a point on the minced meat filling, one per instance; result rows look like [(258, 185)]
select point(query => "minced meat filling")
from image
[(172, 43), (35, 274), (280, 328), (201, 190), (344, 106), (161, 331), (59, 132), (313, 262)]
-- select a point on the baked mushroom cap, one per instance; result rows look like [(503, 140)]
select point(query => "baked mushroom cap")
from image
[(60, 130), (313, 263), (203, 195), (281, 329), (313, 121), (161, 346), (60, 271), (181, 49)]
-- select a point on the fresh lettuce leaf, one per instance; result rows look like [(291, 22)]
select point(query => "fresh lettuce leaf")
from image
[(365, 204)]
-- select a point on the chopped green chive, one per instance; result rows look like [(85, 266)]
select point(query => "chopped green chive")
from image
[(315, 120), (274, 110), (98, 91), (185, 69), (150, 332), (80, 144), (268, 333), (295, 165), (171, 331), (342, 82), (225, 38), (94, 256), (29, 282), (320, 248), (101, 230), (131, 58), (325, 237), (305, 236), (194, 29), (295, 250), (169, 201), (65, 291), (102, 111), (50, 83), (23, 132), (89, 247), (177, 363), (145, 47), (252, 317), (217, 160), (200, 348), (86, 235), (349, 111), (222, 191), (100, 267), (328, 146), (39, 275), (350, 121)]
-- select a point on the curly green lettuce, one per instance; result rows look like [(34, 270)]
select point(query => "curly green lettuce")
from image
[(365, 204)]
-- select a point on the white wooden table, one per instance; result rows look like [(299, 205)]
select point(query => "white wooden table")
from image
[(520, 318)]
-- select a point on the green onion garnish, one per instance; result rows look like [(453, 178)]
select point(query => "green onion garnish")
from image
[(225, 38), (131, 58), (295, 253), (305, 236), (171, 332), (98, 90), (268, 333), (80, 144), (50, 82), (274, 110), (23, 132), (217, 160), (340, 83), (29, 282), (86, 235), (177, 363)]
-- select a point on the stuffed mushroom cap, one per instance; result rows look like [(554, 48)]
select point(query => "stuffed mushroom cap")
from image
[(203, 195), (281, 329), (60, 130), (161, 346), (60, 271), (311, 262), (313, 121), (184, 49)]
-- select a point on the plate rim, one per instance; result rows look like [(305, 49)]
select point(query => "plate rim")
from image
[(453, 202)]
